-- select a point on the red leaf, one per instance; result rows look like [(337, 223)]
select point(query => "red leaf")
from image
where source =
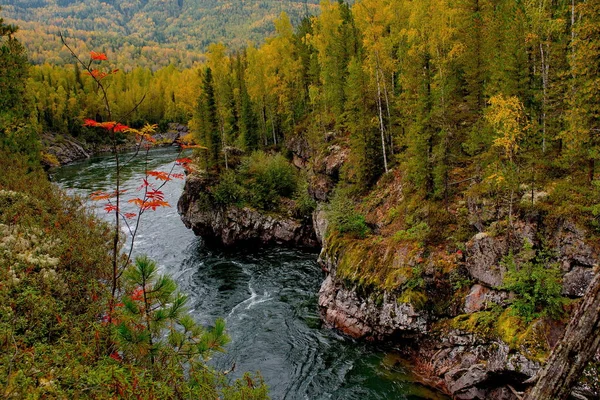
[(138, 294), (182, 161), (178, 176), (115, 356), (89, 122), (130, 215), (144, 184), (159, 175), (155, 195), (110, 208), (98, 56)]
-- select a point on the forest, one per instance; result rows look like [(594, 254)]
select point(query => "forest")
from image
[(150, 34)]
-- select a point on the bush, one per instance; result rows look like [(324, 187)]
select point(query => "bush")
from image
[(344, 218), (228, 190), (267, 179), (305, 204), (536, 283)]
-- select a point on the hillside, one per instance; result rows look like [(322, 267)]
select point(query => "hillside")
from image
[(146, 32)]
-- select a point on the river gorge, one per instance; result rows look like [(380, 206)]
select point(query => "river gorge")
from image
[(268, 297)]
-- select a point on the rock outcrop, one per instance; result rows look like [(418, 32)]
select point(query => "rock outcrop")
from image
[(238, 225), (64, 150), (465, 364)]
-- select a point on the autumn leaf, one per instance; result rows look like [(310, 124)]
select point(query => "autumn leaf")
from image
[(160, 175), (137, 201), (182, 161), (110, 208), (155, 195), (130, 215), (154, 204), (98, 56), (99, 195)]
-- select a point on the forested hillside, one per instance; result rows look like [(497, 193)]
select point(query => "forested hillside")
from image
[(146, 33)]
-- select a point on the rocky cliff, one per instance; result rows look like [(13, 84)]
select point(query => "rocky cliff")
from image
[(65, 149), (464, 341)]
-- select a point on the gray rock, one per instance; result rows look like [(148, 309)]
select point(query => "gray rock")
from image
[(320, 223), (576, 281), (569, 242), (360, 317), (483, 259)]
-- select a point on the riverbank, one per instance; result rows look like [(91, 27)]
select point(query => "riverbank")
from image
[(455, 308), (64, 149)]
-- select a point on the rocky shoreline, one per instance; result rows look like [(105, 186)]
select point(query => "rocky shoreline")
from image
[(63, 149)]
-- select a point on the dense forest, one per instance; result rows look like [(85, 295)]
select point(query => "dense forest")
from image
[(499, 93), (149, 34)]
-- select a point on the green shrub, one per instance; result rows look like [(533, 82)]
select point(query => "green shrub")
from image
[(228, 190), (344, 218), (536, 282), (268, 178), (305, 204)]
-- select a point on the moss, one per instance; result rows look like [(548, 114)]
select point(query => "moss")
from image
[(530, 340), (416, 298)]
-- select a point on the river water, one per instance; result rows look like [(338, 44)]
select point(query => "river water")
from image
[(268, 297)]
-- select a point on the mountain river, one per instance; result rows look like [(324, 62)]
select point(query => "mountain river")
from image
[(268, 297)]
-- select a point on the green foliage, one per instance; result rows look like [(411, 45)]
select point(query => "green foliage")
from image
[(17, 133), (228, 190), (56, 338), (535, 282), (344, 218), (417, 232), (267, 178), (305, 204)]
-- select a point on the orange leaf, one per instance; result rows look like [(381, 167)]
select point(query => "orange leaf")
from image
[(159, 175), (99, 195), (89, 122), (130, 215), (138, 202), (98, 56), (110, 208), (154, 204), (192, 146)]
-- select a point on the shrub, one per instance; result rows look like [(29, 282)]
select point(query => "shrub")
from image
[(344, 218), (228, 190), (536, 283), (305, 204), (267, 179)]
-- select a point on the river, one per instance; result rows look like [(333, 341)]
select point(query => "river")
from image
[(267, 296)]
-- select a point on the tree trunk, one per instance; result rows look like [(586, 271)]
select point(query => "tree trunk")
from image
[(576, 348)]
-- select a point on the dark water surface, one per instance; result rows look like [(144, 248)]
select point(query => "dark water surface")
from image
[(268, 298)]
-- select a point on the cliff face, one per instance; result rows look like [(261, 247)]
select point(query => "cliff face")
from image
[(234, 225), (447, 335)]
